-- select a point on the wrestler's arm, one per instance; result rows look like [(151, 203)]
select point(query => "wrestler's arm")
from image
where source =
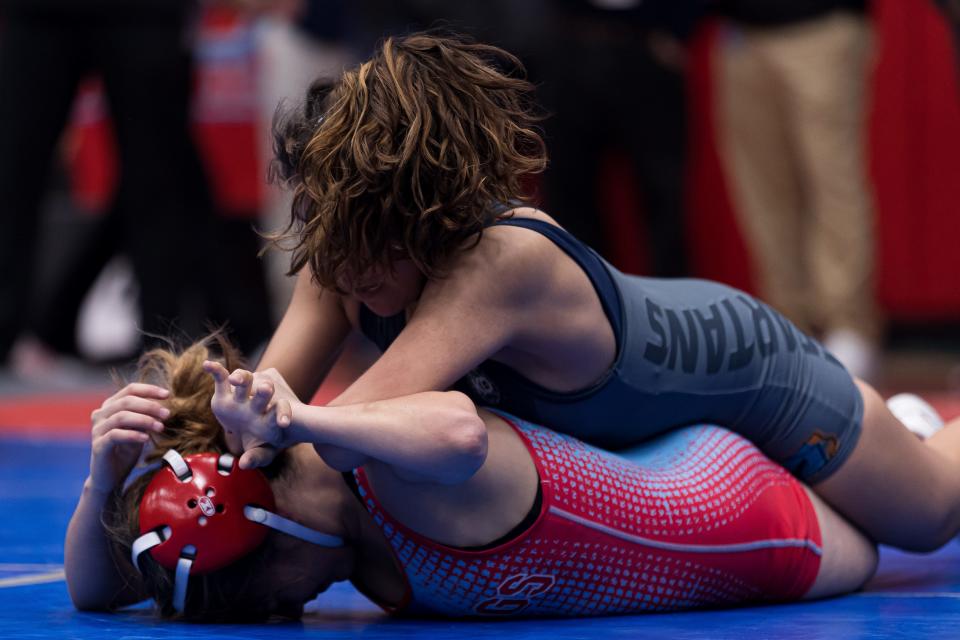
[(448, 473), (435, 436), (426, 437), (309, 338), (96, 579), (484, 304), (452, 474), (481, 307)]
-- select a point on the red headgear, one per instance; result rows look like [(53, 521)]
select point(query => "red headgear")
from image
[(203, 512), (203, 504)]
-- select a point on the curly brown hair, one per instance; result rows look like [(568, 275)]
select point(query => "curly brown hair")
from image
[(404, 156), (231, 594)]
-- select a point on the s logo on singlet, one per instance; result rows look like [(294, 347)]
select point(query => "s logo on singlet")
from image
[(514, 594), (486, 391)]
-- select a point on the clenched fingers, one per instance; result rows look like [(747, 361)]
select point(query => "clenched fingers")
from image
[(241, 380), (119, 436), (143, 390), (284, 412), (220, 375), (127, 420), (132, 390), (130, 403), (262, 395)]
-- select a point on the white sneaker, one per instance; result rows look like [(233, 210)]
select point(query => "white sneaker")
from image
[(916, 414), (855, 352)]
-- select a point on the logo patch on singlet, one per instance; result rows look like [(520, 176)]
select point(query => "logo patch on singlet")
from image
[(514, 594), (817, 451), (483, 386)]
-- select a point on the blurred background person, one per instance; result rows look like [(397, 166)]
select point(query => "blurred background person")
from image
[(298, 42), (162, 215), (615, 82), (791, 80), (612, 75)]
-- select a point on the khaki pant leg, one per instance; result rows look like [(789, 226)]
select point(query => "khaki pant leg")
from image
[(756, 152), (824, 67)]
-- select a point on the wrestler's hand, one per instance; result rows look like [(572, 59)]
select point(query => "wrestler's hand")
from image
[(120, 428), (336, 457), (281, 391), (254, 423)]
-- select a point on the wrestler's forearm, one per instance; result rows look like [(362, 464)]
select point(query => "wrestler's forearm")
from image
[(433, 436), (309, 338), (94, 579)]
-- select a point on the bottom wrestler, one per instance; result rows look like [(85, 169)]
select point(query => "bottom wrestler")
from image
[(449, 511)]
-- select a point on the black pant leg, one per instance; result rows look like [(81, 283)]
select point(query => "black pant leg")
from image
[(54, 320), (577, 137), (195, 270), (39, 71), (162, 201), (238, 290), (654, 124)]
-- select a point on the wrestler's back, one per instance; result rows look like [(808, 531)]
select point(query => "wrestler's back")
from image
[(687, 351), (696, 518)]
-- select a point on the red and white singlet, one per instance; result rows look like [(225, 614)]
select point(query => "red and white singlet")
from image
[(699, 517)]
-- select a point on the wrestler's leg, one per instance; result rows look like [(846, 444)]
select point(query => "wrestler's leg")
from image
[(898, 489), (849, 559)]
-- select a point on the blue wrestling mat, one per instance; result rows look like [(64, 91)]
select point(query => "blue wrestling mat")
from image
[(912, 596)]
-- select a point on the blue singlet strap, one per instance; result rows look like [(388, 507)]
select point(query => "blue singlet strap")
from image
[(591, 263)]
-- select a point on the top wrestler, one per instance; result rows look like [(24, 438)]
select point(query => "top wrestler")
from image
[(400, 174)]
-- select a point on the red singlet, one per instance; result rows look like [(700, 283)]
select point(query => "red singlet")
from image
[(699, 517)]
